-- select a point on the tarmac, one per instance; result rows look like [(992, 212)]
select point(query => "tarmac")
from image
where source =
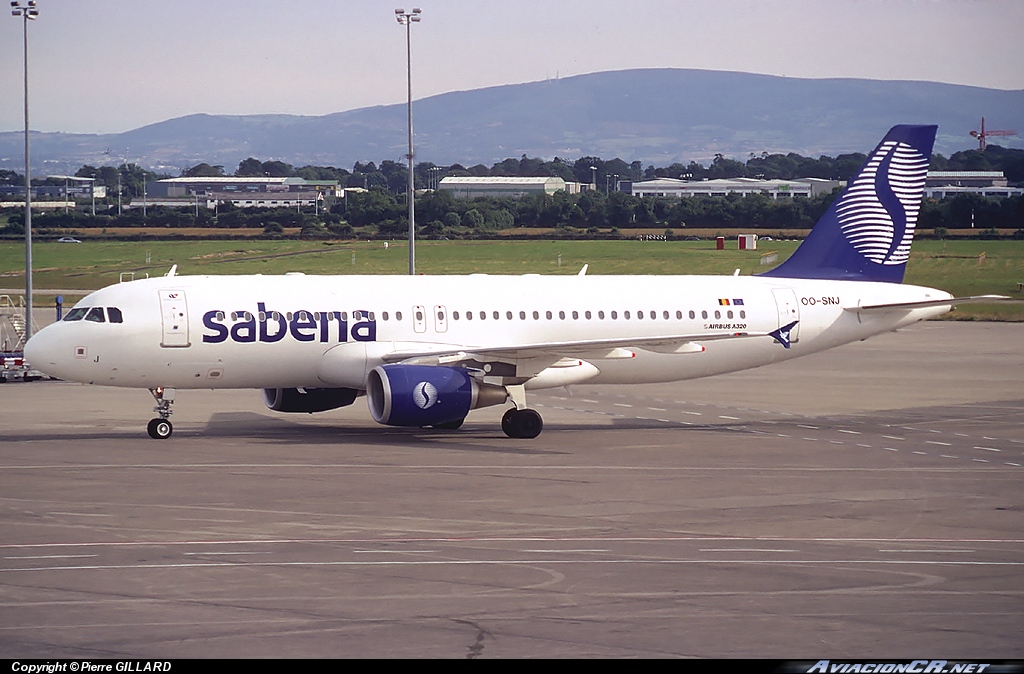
[(865, 502)]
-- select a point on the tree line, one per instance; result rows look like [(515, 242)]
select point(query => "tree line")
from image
[(381, 210), (393, 176), (380, 213)]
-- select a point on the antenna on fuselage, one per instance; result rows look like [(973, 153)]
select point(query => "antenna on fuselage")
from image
[(583, 272), (173, 271)]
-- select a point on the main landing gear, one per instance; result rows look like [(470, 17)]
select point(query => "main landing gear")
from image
[(161, 428), (520, 421), (524, 423)]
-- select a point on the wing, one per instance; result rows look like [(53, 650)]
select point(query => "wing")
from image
[(529, 359)]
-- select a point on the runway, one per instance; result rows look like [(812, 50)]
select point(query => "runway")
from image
[(863, 502)]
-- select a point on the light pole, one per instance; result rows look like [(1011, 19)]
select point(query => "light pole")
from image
[(435, 177), (120, 170), (27, 12), (407, 19)]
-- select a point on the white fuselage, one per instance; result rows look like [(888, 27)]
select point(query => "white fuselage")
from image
[(330, 331)]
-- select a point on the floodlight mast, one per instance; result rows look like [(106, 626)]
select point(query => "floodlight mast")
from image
[(27, 12), (407, 19)]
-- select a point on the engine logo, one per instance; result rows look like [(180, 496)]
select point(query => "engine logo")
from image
[(424, 395)]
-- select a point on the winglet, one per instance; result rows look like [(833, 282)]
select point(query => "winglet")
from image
[(782, 334)]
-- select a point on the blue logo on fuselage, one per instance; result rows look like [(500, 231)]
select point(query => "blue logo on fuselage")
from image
[(302, 326)]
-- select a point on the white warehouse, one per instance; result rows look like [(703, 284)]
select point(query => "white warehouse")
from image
[(773, 189), (469, 187)]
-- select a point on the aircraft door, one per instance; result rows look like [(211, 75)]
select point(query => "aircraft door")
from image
[(789, 310), (440, 319), (174, 316), (419, 318)]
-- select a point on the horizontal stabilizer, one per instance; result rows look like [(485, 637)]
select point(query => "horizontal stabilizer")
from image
[(952, 301)]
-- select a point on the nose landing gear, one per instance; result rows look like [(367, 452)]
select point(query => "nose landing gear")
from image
[(160, 428)]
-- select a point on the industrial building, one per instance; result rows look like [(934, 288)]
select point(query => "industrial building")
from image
[(470, 187), (773, 189), (949, 184), (74, 188), (249, 192)]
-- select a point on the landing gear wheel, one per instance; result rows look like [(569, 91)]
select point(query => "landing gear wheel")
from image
[(160, 429), (506, 422), (450, 425), (524, 423)]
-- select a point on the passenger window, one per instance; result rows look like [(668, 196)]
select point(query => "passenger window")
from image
[(536, 316), (625, 314), (575, 315), (508, 315), (398, 315), (75, 314), (692, 315), (718, 314), (522, 315), (483, 315), (704, 314), (561, 315), (384, 315), (496, 315), (654, 314), (600, 315), (455, 315), (548, 314), (587, 314), (114, 314), (729, 313), (95, 315), (743, 314), (615, 315)]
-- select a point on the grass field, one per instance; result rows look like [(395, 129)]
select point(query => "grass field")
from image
[(955, 266)]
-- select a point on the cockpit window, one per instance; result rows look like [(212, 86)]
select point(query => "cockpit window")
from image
[(95, 315), (114, 314), (76, 314)]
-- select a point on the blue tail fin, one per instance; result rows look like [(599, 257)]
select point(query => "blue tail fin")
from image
[(866, 234)]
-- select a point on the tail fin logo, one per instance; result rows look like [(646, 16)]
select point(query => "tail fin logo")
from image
[(878, 212)]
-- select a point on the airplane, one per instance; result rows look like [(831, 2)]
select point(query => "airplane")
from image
[(426, 350)]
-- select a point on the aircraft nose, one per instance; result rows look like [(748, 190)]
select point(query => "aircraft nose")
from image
[(44, 350)]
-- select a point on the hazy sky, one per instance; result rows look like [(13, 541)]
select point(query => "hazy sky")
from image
[(119, 64)]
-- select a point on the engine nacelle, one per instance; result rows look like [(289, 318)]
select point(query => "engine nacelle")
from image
[(308, 399), (426, 395)]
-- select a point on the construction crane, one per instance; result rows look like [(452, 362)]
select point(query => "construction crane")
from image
[(983, 134)]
